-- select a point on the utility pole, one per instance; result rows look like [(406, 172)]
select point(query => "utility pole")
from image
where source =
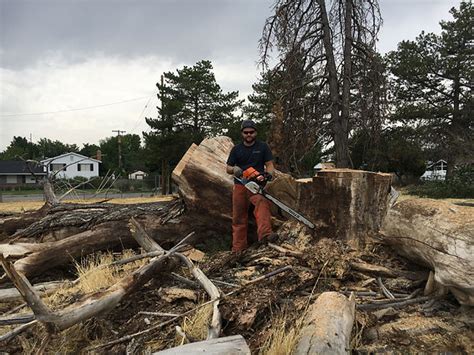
[(164, 163), (119, 142)]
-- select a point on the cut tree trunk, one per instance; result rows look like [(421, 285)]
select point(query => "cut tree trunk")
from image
[(439, 235), (328, 325), (349, 205), (202, 179), (343, 203)]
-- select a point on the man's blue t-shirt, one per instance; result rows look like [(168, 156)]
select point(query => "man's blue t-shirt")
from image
[(254, 156)]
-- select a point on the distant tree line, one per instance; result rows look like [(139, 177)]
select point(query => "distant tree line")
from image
[(330, 96)]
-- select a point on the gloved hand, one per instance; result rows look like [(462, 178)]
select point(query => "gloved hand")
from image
[(268, 176), (238, 172)]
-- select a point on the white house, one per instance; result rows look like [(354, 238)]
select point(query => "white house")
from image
[(137, 175), (435, 171), (71, 165)]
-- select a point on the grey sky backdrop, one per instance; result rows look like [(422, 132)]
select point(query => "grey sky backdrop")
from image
[(74, 70)]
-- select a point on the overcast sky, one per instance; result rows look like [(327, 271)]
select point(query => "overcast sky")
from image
[(74, 70)]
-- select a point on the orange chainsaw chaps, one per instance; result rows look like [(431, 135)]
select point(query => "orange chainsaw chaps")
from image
[(241, 200)]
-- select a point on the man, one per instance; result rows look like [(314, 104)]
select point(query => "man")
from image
[(251, 153)]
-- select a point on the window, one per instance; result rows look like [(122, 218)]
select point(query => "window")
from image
[(57, 167), (85, 167)]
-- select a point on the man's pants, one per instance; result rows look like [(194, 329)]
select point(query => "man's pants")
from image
[(241, 200)]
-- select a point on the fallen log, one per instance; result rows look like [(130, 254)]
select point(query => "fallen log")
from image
[(150, 245), (234, 345), (12, 294), (95, 304), (328, 325), (439, 235)]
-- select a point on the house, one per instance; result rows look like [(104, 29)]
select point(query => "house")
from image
[(435, 171), (323, 166), (17, 172), (71, 165), (137, 175)]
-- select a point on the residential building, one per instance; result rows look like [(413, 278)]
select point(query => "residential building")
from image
[(18, 172), (70, 165), (137, 175), (435, 171)]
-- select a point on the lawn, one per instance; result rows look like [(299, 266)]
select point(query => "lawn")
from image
[(22, 206)]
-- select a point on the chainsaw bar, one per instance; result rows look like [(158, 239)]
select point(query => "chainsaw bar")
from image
[(255, 188)]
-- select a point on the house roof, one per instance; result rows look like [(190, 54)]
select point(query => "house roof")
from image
[(439, 161), (70, 153), (19, 167)]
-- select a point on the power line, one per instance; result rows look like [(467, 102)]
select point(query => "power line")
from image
[(145, 108), (73, 109)]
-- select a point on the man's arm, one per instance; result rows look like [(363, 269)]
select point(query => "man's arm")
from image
[(269, 167)]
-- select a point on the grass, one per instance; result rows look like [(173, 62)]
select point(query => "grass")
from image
[(284, 336), (94, 274), (23, 206), (196, 326)]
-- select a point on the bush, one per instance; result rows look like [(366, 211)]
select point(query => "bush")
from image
[(461, 185)]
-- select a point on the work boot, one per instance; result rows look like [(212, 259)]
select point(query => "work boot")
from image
[(271, 238)]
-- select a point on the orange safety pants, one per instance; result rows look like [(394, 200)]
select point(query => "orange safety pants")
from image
[(241, 200)]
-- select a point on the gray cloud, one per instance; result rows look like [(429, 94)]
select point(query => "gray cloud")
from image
[(185, 30), (67, 54)]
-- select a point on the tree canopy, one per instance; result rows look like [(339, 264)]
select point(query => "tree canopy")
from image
[(193, 107), (432, 86)]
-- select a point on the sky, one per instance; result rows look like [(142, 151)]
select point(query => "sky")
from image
[(76, 70)]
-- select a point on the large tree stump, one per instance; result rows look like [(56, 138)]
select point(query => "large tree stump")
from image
[(345, 204), (439, 235)]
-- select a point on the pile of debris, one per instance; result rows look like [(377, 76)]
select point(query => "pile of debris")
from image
[(338, 287)]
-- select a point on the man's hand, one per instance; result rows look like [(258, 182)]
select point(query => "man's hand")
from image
[(268, 176), (237, 172)]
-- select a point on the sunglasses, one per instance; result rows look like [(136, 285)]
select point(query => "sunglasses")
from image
[(248, 132)]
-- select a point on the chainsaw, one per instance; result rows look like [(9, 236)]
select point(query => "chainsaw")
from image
[(256, 188)]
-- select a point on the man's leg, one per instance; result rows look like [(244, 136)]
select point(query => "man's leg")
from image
[(262, 215), (240, 206)]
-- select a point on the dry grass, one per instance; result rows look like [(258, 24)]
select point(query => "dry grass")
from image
[(196, 326), (284, 335), (23, 206), (94, 274)]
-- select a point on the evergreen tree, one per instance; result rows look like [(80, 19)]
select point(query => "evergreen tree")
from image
[(432, 86), (193, 107)]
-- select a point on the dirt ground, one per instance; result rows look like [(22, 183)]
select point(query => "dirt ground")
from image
[(257, 311)]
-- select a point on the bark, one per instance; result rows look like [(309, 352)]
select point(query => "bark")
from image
[(202, 179), (328, 325), (12, 294), (233, 345), (345, 204), (439, 235)]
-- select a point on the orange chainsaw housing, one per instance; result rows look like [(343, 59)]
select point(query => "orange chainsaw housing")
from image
[(250, 173)]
